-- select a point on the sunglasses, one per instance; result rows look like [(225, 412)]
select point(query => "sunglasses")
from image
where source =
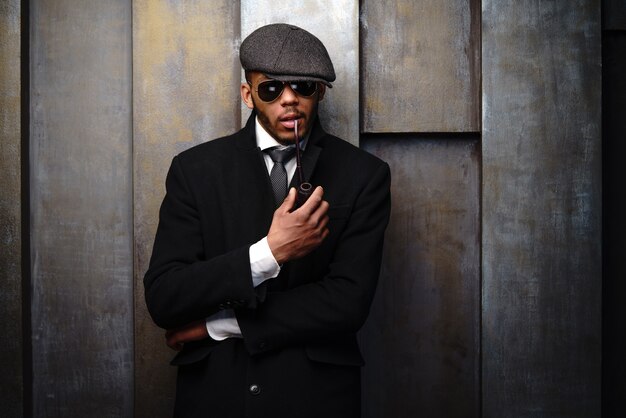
[(270, 90)]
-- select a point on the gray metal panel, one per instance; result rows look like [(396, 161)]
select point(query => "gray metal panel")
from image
[(336, 24), (421, 341), (186, 91), (11, 378), (421, 66), (614, 14), (81, 208), (541, 208)]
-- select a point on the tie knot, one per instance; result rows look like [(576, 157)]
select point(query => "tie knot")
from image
[(281, 155)]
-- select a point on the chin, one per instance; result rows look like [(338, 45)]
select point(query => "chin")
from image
[(285, 138), (285, 141)]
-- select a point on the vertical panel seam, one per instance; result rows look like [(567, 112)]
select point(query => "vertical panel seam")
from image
[(27, 352), (131, 173)]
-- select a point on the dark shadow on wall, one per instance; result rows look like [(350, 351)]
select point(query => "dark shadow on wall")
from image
[(614, 209)]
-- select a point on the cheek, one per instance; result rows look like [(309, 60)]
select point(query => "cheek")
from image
[(272, 113)]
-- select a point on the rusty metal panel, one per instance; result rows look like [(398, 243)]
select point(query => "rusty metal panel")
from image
[(11, 378), (421, 342), (186, 78), (541, 208), (336, 24), (421, 66), (81, 208)]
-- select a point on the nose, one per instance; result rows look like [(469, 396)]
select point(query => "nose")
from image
[(288, 97)]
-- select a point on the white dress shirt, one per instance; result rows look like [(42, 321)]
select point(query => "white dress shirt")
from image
[(263, 265)]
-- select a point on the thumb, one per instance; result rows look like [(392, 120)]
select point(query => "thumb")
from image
[(289, 201)]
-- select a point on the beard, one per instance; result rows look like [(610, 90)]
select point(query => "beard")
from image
[(289, 138)]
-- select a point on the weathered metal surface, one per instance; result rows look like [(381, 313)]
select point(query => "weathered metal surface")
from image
[(614, 14), (81, 208), (186, 78), (336, 24), (421, 341), (421, 66), (11, 378), (541, 208), (614, 229)]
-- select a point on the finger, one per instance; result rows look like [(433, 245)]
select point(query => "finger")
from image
[(319, 190), (323, 223), (322, 209), (289, 201), (320, 212), (313, 201), (171, 343)]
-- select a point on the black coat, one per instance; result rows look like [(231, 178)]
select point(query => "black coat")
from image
[(299, 346)]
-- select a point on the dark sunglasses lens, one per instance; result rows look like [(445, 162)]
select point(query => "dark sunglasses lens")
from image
[(270, 90), (304, 88)]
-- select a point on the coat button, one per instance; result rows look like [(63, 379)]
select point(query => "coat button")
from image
[(254, 389)]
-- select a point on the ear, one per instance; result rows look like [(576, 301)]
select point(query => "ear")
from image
[(321, 90), (246, 95)]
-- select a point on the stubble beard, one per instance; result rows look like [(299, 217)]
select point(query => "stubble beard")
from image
[(265, 122)]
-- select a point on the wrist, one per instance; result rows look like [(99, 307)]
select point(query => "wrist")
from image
[(263, 265), (276, 253)]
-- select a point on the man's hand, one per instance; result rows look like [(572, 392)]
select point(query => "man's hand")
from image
[(295, 234), (176, 338)]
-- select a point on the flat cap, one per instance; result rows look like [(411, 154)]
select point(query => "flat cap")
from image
[(286, 52)]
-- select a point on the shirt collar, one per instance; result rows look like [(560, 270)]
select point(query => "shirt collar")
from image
[(264, 140)]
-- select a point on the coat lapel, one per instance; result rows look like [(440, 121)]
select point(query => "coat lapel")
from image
[(308, 162), (311, 154), (297, 268), (254, 197)]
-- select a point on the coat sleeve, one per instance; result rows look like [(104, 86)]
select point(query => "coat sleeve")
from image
[(182, 286), (337, 304)]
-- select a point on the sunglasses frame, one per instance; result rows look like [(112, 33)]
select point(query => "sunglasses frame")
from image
[(284, 83)]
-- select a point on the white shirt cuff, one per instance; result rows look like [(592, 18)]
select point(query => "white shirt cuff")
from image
[(262, 262), (263, 265), (222, 325)]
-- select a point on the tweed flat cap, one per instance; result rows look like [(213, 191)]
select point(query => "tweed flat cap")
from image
[(286, 52)]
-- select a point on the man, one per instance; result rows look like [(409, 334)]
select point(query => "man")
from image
[(265, 302)]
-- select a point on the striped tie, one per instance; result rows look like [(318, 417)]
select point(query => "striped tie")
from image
[(278, 175)]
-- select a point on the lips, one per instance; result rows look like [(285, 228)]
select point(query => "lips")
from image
[(289, 124), (288, 121)]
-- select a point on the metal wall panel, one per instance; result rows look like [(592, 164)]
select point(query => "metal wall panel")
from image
[(541, 208), (11, 378), (81, 208), (421, 66), (336, 24), (421, 341), (186, 78), (420, 73)]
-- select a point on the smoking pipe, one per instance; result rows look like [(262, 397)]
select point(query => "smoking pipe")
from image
[(304, 188)]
